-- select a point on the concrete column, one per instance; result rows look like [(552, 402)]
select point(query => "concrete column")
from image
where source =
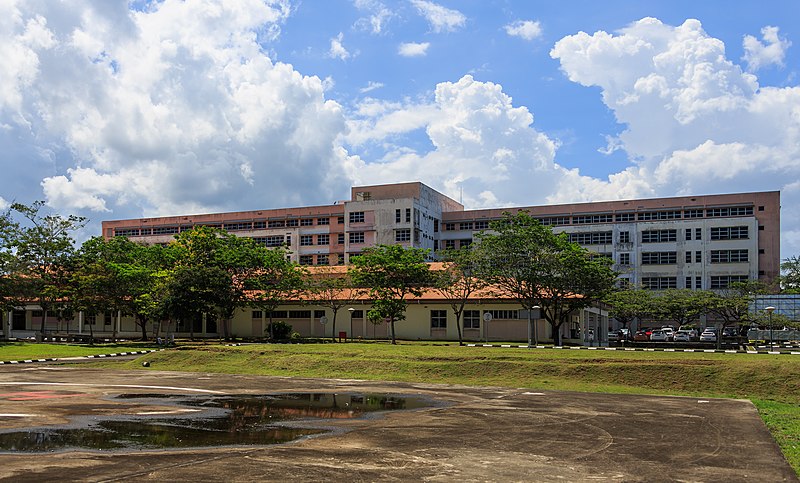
[(80, 322)]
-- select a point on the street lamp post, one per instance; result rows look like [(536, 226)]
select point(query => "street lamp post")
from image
[(351, 310), (771, 340), (533, 323)]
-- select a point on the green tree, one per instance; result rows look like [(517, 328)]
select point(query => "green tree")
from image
[(790, 275), (276, 280), (731, 306), (629, 304), (8, 270), (390, 273), (43, 248), (527, 261), (682, 305), (329, 288), (457, 282)]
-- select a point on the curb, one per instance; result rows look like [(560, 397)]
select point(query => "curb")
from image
[(638, 349), (98, 356)]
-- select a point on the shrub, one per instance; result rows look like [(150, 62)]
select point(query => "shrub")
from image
[(280, 330)]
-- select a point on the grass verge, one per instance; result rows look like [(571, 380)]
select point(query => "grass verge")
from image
[(18, 351), (769, 381)]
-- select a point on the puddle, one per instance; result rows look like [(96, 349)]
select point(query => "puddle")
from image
[(203, 421)]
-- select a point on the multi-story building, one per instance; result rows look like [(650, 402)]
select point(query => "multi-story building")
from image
[(697, 242)]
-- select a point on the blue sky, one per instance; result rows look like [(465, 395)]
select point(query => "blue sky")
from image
[(115, 109)]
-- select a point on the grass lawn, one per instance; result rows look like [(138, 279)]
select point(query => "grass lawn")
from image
[(16, 351), (770, 381)]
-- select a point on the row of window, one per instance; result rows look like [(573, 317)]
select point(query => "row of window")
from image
[(467, 225), (598, 218), (670, 258), (717, 282)]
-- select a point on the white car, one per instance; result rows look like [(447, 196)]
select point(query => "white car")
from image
[(658, 336), (683, 336), (670, 332), (708, 335)]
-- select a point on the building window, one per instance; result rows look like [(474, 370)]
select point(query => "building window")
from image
[(299, 314), (472, 319), (698, 282), (659, 215), (449, 244), (107, 319), (659, 283), (318, 314), (659, 258), (693, 213), (624, 258), (482, 225), (624, 237), (436, 226), (236, 226), (730, 233), (323, 221), (288, 240), (402, 235), (465, 225), (340, 220), (126, 232), (688, 234), (270, 241), (688, 282), (504, 314), (725, 281), (259, 225), (450, 227), (698, 257), (356, 238), (322, 259), (698, 233), (465, 242), (726, 212), (340, 258), (729, 256), (554, 220), (340, 239), (91, 319), (438, 319), (276, 224), (586, 219), (408, 215), (591, 238), (306, 259), (294, 222), (659, 236), (625, 217), (306, 240), (397, 216), (357, 217), (306, 221), (165, 230), (688, 256), (323, 239), (257, 314)]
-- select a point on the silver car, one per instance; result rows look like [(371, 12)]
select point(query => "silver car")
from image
[(708, 335), (659, 336)]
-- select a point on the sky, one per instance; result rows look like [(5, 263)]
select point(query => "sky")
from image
[(115, 109)]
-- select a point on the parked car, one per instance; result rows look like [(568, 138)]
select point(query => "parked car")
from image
[(730, 332), (708, 335), (613, 336), (659, 335), (682, 336), (670, 333), (641, 336)]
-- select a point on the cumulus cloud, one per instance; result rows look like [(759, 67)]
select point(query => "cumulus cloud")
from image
[(771, 51), (172, 109), (441, 19), (337, 50), (694, 121), (413, 49), (525, 29), (480, 140)]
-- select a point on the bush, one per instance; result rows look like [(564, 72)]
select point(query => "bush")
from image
[(280, 330)]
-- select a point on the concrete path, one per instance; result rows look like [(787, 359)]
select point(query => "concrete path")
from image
[(483, 434)]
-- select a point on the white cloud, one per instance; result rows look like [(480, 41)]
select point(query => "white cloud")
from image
[(413, 49), (759, 54), (379, 15), (371, 86), (337, 50), (440, 18), (694, 121), (4, 204), (174, 109), (525, 29)]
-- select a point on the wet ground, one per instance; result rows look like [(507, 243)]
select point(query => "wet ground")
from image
[(479, 434)]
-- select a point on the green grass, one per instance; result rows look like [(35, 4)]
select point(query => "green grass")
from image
[(770, 381), (16, 351)]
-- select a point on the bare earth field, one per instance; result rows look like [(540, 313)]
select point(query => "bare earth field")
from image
[(481, 434)]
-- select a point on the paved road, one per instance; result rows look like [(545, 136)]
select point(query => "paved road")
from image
[(483, 434)]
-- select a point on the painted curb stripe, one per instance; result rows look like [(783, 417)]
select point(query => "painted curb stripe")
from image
[(638, 349), (93, 356)]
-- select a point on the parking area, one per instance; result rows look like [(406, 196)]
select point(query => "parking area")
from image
[(480, 434)]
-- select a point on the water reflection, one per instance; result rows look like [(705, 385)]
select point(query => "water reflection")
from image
[(220, 421)]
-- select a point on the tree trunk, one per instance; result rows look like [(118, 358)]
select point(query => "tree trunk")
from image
[(143, 325), (44, 318), (458, 327), (394, 342), (333, 326)]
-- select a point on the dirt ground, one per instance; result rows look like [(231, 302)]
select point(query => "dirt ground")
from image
[(482, 434)]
